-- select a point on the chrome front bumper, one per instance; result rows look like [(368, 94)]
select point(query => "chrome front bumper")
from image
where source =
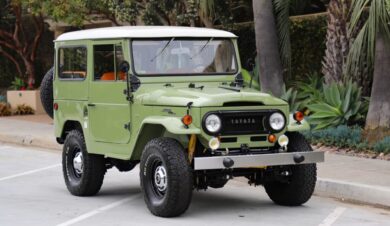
[(259, 160)]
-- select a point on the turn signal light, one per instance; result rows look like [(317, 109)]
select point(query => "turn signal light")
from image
[(55, 106), (187, 120), (298, 116), (271, 138)]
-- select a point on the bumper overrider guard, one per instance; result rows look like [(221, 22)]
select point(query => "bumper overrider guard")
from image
[(257, 160)]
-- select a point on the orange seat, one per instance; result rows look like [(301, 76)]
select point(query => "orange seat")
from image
[(110, 76)]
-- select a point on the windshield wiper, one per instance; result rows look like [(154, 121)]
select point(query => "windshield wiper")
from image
[(163, 50), (201, 50)]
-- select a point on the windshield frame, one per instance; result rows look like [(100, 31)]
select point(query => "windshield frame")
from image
[(184, 74)]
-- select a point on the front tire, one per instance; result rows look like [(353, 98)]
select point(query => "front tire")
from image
[(83, 172), (300, 185), (166, 177)]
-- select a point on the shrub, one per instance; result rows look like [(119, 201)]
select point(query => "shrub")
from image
[(346, 137), (340, 136), (23, 109), (304, 92), (383, 145), (5, 109), (341, 104), (309, 87), (290, 96), (18, 84)]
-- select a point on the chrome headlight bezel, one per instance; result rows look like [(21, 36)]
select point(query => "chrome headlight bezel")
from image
[(277, 115), (206, 126)]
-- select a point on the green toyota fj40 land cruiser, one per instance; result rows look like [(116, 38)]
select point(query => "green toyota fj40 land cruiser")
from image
[(172, 99)]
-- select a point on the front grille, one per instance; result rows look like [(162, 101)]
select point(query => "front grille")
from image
[(243, 122)]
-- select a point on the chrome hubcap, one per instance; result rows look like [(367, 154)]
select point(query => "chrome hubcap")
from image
[(78, 163), (161, 178)]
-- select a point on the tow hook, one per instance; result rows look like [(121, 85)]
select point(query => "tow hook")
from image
[(228, 162), (298, 158)]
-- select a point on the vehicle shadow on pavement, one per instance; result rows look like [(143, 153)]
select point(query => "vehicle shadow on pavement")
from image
[(120, 191), (204, 202)]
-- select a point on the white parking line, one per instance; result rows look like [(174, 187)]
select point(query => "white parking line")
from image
[(29, 172), (332, 217), (97, 211)]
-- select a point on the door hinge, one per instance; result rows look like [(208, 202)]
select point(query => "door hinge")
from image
[(127, 126)]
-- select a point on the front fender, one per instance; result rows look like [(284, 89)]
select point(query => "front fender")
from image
[(173, 125), (156, 126), (293, 126)]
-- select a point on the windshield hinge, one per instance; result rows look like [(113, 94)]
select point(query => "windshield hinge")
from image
[(127, 126), (238, 81)]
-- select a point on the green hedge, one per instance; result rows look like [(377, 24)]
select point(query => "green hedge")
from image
[(308, 36)]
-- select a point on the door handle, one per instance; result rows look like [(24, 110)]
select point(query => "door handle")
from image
[(91, 105)]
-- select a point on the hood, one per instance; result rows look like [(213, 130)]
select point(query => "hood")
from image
[(206, 97)]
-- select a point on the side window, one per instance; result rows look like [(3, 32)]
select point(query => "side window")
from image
[(72, 63), (106, 62)]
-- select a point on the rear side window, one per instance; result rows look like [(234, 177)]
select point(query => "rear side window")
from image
[(72, 63), (106, 63)]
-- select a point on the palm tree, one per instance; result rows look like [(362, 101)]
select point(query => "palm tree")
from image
[(270, 66), (374, 39), (337, 40)]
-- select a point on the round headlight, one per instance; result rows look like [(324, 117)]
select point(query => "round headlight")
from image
[(277, 121), (213, 123)]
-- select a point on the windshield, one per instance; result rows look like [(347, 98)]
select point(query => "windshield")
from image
[(184, 56)]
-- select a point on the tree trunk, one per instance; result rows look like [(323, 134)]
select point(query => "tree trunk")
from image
[(337, 40), (270, 66), (378, 117), (30, 73)]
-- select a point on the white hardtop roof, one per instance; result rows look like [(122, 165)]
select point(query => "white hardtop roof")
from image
[(144, 32)]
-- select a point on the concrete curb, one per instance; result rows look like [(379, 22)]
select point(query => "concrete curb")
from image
[(355, 192), (30, 141)]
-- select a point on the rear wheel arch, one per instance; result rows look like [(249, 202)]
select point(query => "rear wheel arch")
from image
[(68, 126)]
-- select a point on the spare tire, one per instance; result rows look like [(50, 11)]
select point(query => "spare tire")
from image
[(47, 92)]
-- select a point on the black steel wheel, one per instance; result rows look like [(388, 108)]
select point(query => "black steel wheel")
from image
[(166, 177)]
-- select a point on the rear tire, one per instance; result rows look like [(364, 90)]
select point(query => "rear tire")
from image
[(83, 172), (301, 184), (166, 177), (47, 92)]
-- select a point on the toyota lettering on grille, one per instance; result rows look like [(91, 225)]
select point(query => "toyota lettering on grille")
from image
[(243, 121)]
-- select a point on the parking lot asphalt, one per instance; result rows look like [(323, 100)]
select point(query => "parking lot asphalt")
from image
[(32, 192)]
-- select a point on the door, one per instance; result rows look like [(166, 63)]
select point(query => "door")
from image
[(109, 111)]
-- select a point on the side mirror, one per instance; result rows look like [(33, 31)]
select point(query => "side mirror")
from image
[(124, 66), (250, 64)]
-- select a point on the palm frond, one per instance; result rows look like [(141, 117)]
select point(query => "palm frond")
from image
[(363, 48), (282, 13)]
